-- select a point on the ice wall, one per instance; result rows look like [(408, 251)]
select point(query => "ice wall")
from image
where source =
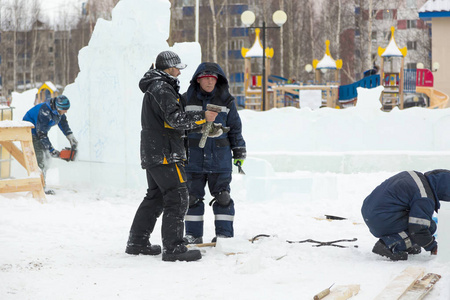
[(106, 101), (106, 108)]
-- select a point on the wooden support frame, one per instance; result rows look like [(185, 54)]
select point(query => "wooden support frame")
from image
[(26, 157)]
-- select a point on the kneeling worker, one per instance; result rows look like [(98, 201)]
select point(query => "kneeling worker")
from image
[(400, 212)]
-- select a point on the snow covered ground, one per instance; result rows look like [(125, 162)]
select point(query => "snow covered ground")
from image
[(302, 165), (73, 248)]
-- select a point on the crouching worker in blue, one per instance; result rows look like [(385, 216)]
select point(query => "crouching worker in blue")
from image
[(44, 116), (212, 164), (400, 212)]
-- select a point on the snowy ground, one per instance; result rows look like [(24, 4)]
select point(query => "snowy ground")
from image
[(73, 248)]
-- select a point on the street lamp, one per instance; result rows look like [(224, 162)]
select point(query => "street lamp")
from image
[(248, 18)]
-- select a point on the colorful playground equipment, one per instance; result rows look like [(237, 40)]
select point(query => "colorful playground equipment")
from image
[(402, 88)]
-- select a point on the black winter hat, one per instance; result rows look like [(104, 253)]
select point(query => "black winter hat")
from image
[(169, 59)]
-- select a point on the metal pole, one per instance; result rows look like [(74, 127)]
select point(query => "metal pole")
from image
[(264, 67)]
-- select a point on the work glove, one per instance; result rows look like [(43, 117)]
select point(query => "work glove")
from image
[(72, 140), (55, 154), (238, 162), (217, 130)]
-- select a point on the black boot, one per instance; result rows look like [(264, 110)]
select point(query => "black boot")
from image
[(181, 253), (189, 239), (141, 245), (380, 248)]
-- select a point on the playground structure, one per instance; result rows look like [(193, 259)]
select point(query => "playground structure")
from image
[(402, 88), (46, 91)]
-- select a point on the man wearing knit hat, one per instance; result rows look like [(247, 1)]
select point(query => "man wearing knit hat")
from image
[(212, 164), (164, 122), (44, 116)]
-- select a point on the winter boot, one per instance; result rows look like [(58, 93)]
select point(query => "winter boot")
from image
[(189, 239), (141, 245), (380, 248), (214, 240), (181, 253), (414, 249), (49, 192)]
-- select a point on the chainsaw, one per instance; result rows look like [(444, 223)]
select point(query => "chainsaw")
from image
[(68, 154)]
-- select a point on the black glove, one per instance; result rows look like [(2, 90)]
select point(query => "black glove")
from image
[(55, 154)]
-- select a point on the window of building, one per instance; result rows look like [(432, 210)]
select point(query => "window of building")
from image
[(411, 65), (374, 36), (0, 59), (10, 64), (50, 49), (412, 45), (38, 77), (388, 14), (411, 24), (50, 63)]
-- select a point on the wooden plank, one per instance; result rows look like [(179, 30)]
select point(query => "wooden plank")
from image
[(15, 152), (421, 287), (343, 292), (20, 185), (15, 133), (401, 283)]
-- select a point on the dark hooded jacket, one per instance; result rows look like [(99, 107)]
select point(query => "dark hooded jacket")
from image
[(216, 156), (44, 116), (406, 202), (164, 120)]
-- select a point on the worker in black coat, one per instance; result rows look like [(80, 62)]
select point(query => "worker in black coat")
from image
[(164, 122), (400, 212)]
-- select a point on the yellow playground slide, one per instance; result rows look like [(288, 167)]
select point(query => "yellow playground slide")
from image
[(437, 99)]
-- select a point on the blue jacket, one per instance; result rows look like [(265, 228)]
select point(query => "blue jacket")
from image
[(216, 156), (406, 202), (44, 116)]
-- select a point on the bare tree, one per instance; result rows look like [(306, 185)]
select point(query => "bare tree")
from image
[(214, 23), (36, 44)]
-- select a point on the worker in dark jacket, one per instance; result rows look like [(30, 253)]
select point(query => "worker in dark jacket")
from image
[(44, 116), (164, 121), (213, 163), (400, 212)]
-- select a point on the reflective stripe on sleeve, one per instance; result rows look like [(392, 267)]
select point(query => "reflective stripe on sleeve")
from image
[(419, 183), (419, 221)]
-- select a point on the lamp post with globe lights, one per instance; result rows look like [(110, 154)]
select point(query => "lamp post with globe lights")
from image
[(248, 18)]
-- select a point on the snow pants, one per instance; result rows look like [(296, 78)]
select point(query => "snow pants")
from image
[(223, 214), (167, 192), (398, 241), (42, 156)]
